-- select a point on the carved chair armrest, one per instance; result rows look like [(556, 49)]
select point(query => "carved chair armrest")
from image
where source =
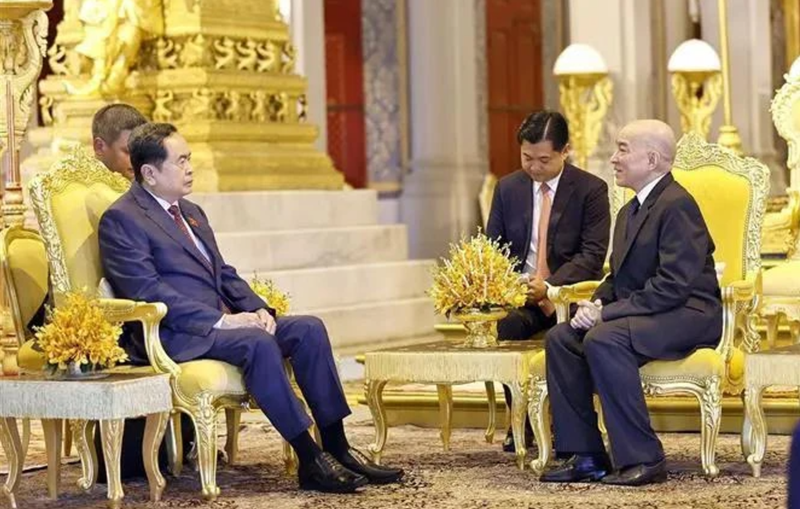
[(150, 315), (563, 296)]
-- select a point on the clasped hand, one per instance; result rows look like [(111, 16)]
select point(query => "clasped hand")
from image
[(537, 290), (588, 315), (261, 319)]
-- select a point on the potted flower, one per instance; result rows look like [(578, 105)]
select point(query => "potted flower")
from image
[(77, 340), (477, 285)]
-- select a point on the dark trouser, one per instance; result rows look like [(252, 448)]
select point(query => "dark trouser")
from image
[(794, 470), (522, 324), (304, 340), (601, 360)]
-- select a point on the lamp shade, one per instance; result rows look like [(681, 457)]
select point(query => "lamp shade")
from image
[(694, 55), (794, 71), (579, 59)]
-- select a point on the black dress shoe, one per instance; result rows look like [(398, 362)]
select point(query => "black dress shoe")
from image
[(639, 475), (328, 475), (579, 468), (358, 462), (508, 442)]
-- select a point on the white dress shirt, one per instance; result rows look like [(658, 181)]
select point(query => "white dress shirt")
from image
[(645, 191), (530, 261)]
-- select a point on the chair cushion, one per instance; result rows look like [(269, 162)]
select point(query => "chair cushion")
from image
[(28, 263), (702, 363), (29, 359), (782, 280), (218, 377)]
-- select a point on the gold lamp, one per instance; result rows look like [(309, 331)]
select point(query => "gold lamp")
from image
[(585, 92), (696, 84)]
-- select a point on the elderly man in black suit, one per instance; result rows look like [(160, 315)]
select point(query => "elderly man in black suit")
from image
[(661, 301), (555, 217)]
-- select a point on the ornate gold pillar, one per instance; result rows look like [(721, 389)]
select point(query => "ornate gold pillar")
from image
[(222, 72), (728, 133), (23, 32)]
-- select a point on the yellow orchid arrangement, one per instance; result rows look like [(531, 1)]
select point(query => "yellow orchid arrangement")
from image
[(479, 274), (78, 334), (272, 295)]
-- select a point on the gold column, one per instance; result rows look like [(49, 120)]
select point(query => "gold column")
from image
[(23, 40), (728, 133)]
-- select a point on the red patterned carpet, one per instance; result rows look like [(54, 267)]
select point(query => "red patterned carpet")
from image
[(473, 475)]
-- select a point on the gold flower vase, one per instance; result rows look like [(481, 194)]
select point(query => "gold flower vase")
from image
[(481, 326)]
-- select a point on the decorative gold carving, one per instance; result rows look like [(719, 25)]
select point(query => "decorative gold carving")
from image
[(538, 413), (754, 434), (374, 390), (83, 436), (111, 434), (481, 327), (9, 438), (697, 95), (113, 33), (585, 99), (154, 430), (205, 419)]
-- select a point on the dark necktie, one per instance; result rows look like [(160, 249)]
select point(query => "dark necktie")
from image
[(632, 211)]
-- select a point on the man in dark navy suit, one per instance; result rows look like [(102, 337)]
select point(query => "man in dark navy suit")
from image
[(158, 247), (556, 218), (661, 301)]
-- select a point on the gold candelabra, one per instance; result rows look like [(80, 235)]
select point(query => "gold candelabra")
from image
[(23, 42), (696, 84), (585, 93)]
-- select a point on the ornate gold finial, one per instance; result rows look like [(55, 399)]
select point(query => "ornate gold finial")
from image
[(586, 93)]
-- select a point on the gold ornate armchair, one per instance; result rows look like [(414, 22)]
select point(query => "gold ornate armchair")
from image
[(731, 192), (781, 229), (68, 201)]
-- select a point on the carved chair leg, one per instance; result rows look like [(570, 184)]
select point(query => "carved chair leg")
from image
[(233, 419), (174, 440), (601, 422), (205, 422), (83, 436), (491, 398), (539, 417), (710, 400), (290, 461)]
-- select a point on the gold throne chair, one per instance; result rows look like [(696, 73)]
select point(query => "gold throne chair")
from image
[(782, 283), (69, 201), (731, 192)]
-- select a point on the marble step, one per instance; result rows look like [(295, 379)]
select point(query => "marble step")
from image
[(288, 210), (313, 248), (353, 284), (368, 326)]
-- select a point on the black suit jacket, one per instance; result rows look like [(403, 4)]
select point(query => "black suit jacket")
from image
[(146, 257), (578, 233), (662, 277)]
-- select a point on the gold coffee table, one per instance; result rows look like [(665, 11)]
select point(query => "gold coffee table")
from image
[(446, 363), (109, 400), (777, 366)]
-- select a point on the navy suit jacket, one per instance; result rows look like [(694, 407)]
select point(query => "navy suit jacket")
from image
[(579, 228), (146, 257), (662, 276)]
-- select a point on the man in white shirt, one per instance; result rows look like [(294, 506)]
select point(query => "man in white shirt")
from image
[(556, 219)]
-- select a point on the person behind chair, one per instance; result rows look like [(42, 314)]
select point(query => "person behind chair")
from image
[(156, 246), (111, 128), (556, 218), (661, 301)]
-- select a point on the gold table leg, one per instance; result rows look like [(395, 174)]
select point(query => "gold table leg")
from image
[(539, 416), (83, 437), (758, 434), (111, 433), (9, 437), (374, 390), (154, 430), (175, 444), (519, 406), (53, 429), (445, 413), (491, 398)]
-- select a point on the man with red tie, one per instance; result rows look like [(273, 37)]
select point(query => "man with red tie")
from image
[(156, 246), (555, 217)]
